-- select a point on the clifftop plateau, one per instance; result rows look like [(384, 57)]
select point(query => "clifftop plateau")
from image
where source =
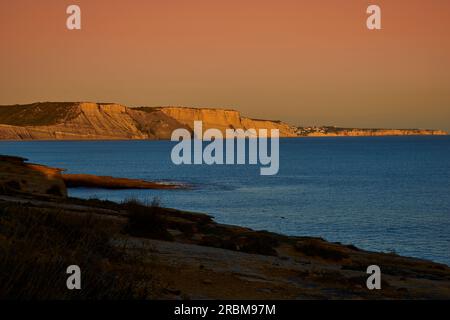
[(111, 121), (328, 131)]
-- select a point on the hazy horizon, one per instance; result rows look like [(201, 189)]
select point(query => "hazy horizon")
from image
[(302, 62)]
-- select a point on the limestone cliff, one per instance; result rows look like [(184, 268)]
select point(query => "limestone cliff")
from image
[(223, 119), (108, 121), (83, 121), (354, 132)]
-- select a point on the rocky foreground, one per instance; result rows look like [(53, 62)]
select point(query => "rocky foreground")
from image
[(135, 250), (110, 121), (21, 177), (185, 255)]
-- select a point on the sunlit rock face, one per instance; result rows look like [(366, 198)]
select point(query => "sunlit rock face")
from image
[(223, 119), (357, 132), (18, 176), (109, 121)]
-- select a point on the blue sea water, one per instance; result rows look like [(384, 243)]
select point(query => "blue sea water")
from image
[(378, 193)]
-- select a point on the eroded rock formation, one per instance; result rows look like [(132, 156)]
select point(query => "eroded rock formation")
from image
[(96, 121), (18, 176)]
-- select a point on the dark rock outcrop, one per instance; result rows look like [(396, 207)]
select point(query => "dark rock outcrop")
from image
[(18, 176)]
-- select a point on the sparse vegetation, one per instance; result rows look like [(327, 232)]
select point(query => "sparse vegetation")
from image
[(252, 242), (37, 245), (260, 243), (37, 114), (56, 191), (318, 248), (146, 220)]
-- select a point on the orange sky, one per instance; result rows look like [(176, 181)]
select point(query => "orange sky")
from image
[(306, 62)]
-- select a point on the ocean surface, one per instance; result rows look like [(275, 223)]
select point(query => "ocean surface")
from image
[(387, 194)]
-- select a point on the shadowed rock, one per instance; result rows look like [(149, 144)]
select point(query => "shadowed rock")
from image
[(18, 176), (106, 182)]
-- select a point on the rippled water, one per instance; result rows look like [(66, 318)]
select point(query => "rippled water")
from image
[(380, 193)]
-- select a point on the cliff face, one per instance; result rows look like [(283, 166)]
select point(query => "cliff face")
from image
[(223, 119), (17, 176), (92, 121), (352, 132), (109, 121), (83, 121)]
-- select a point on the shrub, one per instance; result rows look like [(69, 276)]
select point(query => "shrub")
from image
[(37, 245), (55, 191), (320, 248), (146, 220), (252, 242), (259, 243)]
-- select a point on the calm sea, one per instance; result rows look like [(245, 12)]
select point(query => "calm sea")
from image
[(380, 193)]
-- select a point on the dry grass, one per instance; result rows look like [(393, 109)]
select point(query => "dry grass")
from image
[(261, 242), (37, 245), (37, 114), (146, 220), (319, 248)]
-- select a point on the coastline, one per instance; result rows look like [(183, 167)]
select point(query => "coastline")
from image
[(192, 257), (184, 255), (114, 183), (112, 121), (299, 137)]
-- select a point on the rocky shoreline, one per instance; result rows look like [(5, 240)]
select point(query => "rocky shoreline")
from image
[(21, 177), (107, 182), (175, 254), (192, 257)]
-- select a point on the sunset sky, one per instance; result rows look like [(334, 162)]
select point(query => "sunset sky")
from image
[(306, 62)]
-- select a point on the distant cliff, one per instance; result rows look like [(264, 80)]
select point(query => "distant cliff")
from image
[(95, 121), (223, 119), (110, 121), (356, 132)]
